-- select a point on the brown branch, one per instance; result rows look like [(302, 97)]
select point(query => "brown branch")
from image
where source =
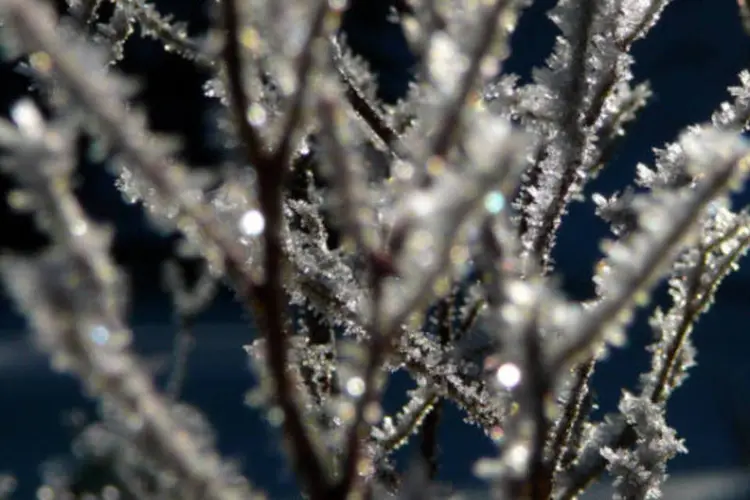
[(573, 414), (232, 55), (271, 170), (381, 344), (364, 108), (693, 310), (429, 447), (537, 485)]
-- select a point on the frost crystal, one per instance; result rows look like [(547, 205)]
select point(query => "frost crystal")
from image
[(640, 472)]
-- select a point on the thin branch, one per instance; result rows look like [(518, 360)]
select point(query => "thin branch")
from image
[(450, 119), (362, 106), (572, 415), (570, 127), (693, 309), (429, 447), (271, 171), (174, 40), (380, 346), (303, 68), (72, 293), (240, 104), (596, 322)]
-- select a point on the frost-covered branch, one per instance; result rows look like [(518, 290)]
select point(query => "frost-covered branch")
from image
[(84, 336), (582, 99), (634, 265)]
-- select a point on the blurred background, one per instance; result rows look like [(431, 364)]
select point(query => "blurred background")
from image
[(690, 58)]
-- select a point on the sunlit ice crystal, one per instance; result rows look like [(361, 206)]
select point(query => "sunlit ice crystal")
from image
[(494, 202), (355, 386), (99, 334), (446, 62), (28, 118), (252, 223), (516, 458), (508, 375)]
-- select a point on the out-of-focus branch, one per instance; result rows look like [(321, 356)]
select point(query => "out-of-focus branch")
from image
[(491, 22), (35, 25), (240, 104), (72, 293)]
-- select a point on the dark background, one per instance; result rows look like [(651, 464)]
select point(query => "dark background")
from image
[(690, 58)]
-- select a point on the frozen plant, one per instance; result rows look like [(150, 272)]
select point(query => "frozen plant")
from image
[(364, 239)]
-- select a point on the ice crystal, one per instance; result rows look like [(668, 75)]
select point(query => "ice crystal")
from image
[(639, 473)]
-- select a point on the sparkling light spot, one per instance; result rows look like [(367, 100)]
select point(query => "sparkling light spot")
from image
[(41, 61), (355, 386), (28, 118), (252, 223), (256, 115), (109, 492), (517, 457), (373, 413), (45, 493), (338, 5), (497, 434), (79, 227), (436, 166), (250, 39), (508, 375), (421, 205), (100, 334), (494, 202)]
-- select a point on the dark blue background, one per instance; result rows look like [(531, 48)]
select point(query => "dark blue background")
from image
[(690, 58)]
